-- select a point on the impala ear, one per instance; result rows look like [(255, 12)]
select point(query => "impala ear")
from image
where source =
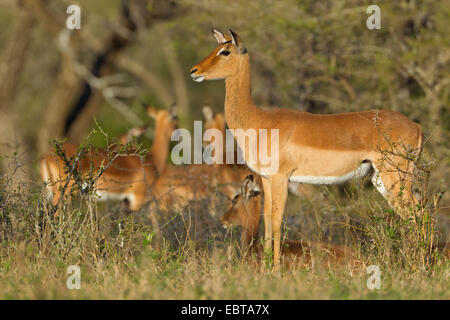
[(151, 112), (238, 43), (207, 113), (255, 193), (173, 110), (219, 36), (235, 198), (137, 131), (248, 189)]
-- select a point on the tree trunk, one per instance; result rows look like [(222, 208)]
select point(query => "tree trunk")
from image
[(14, 152), (59, 105)]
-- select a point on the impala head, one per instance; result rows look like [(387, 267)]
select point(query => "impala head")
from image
[(209, 117), (246, 207), (223, 61), (135, 132)]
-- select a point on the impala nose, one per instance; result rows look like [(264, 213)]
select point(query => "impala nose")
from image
[(196, 78)]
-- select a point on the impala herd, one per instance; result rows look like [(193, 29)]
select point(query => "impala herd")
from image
[(313, 149)]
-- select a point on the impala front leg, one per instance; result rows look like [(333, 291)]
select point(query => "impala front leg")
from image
[(279, 187), (267, 214)]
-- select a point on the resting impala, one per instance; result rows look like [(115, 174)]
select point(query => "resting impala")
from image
[(313, 148), (245, 211), (127, 177), (179, 184)]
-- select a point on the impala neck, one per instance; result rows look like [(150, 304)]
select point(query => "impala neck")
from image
[(160, 147), (239, 107), (249, 237)]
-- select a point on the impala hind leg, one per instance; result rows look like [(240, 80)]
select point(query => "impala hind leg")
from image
[(45, 175), (154, 209), (267, 214), (135, 200), (279, 186), (56, 180)]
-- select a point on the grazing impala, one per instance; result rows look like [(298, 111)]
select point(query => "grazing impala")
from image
[(245, 211), (313, 148), (127, 177)]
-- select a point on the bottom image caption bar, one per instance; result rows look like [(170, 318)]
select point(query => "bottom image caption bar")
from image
[(227, 309)]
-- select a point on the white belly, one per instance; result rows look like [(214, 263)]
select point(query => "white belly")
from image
[(105, 195), (361, 171)]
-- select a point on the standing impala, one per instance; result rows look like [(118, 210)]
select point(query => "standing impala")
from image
[(313, 148), (128, 176)]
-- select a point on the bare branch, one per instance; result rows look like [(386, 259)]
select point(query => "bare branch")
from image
[(178, 74), (109, 93), (12, 137)]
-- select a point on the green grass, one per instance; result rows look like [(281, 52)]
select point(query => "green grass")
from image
[(120, 263), (198, 275), (199, 260)]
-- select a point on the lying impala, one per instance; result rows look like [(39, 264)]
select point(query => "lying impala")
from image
[(246, 212), (313, 148), (179, 184), (127, 177)]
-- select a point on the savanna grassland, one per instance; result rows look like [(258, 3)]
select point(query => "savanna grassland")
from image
[(315, 56), (198, 260)]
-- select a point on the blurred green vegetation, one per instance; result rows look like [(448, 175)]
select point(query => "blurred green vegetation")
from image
[(310, 55)]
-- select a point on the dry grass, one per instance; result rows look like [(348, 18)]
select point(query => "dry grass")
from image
[(199, 260)]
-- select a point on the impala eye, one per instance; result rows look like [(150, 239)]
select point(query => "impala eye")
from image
[(225, 52)]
